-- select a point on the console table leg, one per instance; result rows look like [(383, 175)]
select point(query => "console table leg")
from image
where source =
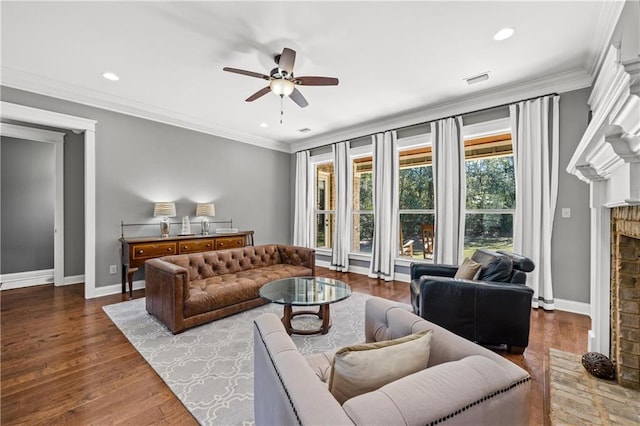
[(123, 276), (130, 273)]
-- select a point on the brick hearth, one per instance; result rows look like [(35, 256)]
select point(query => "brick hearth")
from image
[(625, 294)]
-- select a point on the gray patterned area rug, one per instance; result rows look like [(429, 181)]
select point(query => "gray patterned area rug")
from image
[(210, 367)]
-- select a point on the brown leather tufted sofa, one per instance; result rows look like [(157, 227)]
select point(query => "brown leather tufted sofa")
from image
[(187, 290)]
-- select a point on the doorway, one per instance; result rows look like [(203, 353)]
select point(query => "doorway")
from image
[(32, 245), (21, 113)]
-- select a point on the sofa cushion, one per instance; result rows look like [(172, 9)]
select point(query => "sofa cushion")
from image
[(365, 367), (321, 365), (495, 267), (469, 270), (220, 291)]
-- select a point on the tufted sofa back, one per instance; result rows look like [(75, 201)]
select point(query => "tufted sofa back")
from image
[(221, 262)]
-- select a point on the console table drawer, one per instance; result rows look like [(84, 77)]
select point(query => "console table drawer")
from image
[(229, 242), (149, 251), (195, 246)]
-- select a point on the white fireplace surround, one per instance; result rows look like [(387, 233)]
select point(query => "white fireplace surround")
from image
[(608, 159)]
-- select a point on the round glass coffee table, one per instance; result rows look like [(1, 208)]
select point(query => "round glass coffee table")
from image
[(306, 291)]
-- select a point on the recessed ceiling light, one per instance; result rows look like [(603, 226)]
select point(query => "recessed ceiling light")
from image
[(503, 34), (110, 76), (264, 125)]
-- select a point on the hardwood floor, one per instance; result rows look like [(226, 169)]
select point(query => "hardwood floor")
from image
[(64, 362)]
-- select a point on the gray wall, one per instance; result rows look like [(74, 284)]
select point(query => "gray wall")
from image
[(140, 162), (570, 241), (28, 196)]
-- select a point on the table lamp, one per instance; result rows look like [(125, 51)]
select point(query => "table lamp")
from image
[(205, 210), (164, 210)]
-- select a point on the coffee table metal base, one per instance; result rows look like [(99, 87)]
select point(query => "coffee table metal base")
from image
[(323, 314)]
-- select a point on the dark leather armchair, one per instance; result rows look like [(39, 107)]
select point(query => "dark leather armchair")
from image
[(493, 310)]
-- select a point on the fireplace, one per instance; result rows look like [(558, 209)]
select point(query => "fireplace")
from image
[(625, 294), (608, 159)]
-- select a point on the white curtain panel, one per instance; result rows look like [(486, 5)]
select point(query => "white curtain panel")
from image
[(385, 206), (344, 179), (534, 127), (303, 209), (450, 189)]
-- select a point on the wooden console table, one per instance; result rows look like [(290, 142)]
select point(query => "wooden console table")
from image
[(135, 251)]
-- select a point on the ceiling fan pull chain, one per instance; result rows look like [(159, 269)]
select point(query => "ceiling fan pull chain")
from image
[(281, 108)]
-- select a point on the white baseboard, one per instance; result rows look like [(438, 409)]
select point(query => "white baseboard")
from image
[(571, 306), (73, 279), (26, 279), (116, 288), (361, 270), (31, 278)]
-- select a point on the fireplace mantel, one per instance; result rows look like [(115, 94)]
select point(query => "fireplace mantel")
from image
[(608, 159), (610, 147)]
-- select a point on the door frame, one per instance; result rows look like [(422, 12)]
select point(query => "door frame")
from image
[(87, 127), (57, 139)]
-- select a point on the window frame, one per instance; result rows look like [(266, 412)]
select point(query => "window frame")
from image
[(482, 130), (404, 144), (354, 154), (314, 162)]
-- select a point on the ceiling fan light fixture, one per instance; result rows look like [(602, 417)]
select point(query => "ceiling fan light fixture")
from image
[(281, 87)]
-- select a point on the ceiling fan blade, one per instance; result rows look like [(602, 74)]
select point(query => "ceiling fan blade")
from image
[(249, 73), (297, 97), (316, 81), (287, 59), (258, 94)]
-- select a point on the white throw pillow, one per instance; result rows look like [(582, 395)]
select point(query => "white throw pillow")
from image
[(366, 367)]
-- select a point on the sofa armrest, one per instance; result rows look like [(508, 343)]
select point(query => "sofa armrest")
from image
[(166, 290), (286, 389), (473, 390), (419, 269), (298, 256)]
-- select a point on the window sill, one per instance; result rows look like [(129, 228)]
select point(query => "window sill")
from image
[(323, 252), (360, 256)]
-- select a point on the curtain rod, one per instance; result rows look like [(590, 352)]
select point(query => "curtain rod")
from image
[(436, 119)]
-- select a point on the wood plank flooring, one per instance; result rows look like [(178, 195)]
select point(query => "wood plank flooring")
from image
[(64, 362)]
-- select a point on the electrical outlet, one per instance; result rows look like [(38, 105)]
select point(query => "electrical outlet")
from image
[(566, 212), (113, 269)]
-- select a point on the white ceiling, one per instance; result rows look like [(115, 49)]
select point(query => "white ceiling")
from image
[(393, 59)]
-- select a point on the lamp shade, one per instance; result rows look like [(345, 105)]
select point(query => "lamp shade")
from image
[(205, 210), (164, 209)]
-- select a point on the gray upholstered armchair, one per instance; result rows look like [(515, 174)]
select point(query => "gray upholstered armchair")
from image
[(494, 309)]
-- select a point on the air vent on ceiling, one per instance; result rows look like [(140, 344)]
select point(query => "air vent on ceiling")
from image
[(304, 130), (477, 78)]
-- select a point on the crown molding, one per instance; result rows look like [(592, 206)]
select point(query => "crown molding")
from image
[(563, 82), (558, 83), (44, 86), (605, 25)]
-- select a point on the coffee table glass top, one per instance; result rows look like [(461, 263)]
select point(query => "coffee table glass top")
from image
[(305, 291)]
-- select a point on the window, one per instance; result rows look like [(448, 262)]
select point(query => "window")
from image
[(325, 204), (416, 202), (491, 194), (362, 208)]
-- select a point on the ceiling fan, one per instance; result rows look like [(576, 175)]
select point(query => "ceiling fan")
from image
[(281, 80)]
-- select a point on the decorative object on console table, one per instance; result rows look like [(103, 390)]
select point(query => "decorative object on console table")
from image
[(164, 210), (205, 211), (135, 251), (186, 227)]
